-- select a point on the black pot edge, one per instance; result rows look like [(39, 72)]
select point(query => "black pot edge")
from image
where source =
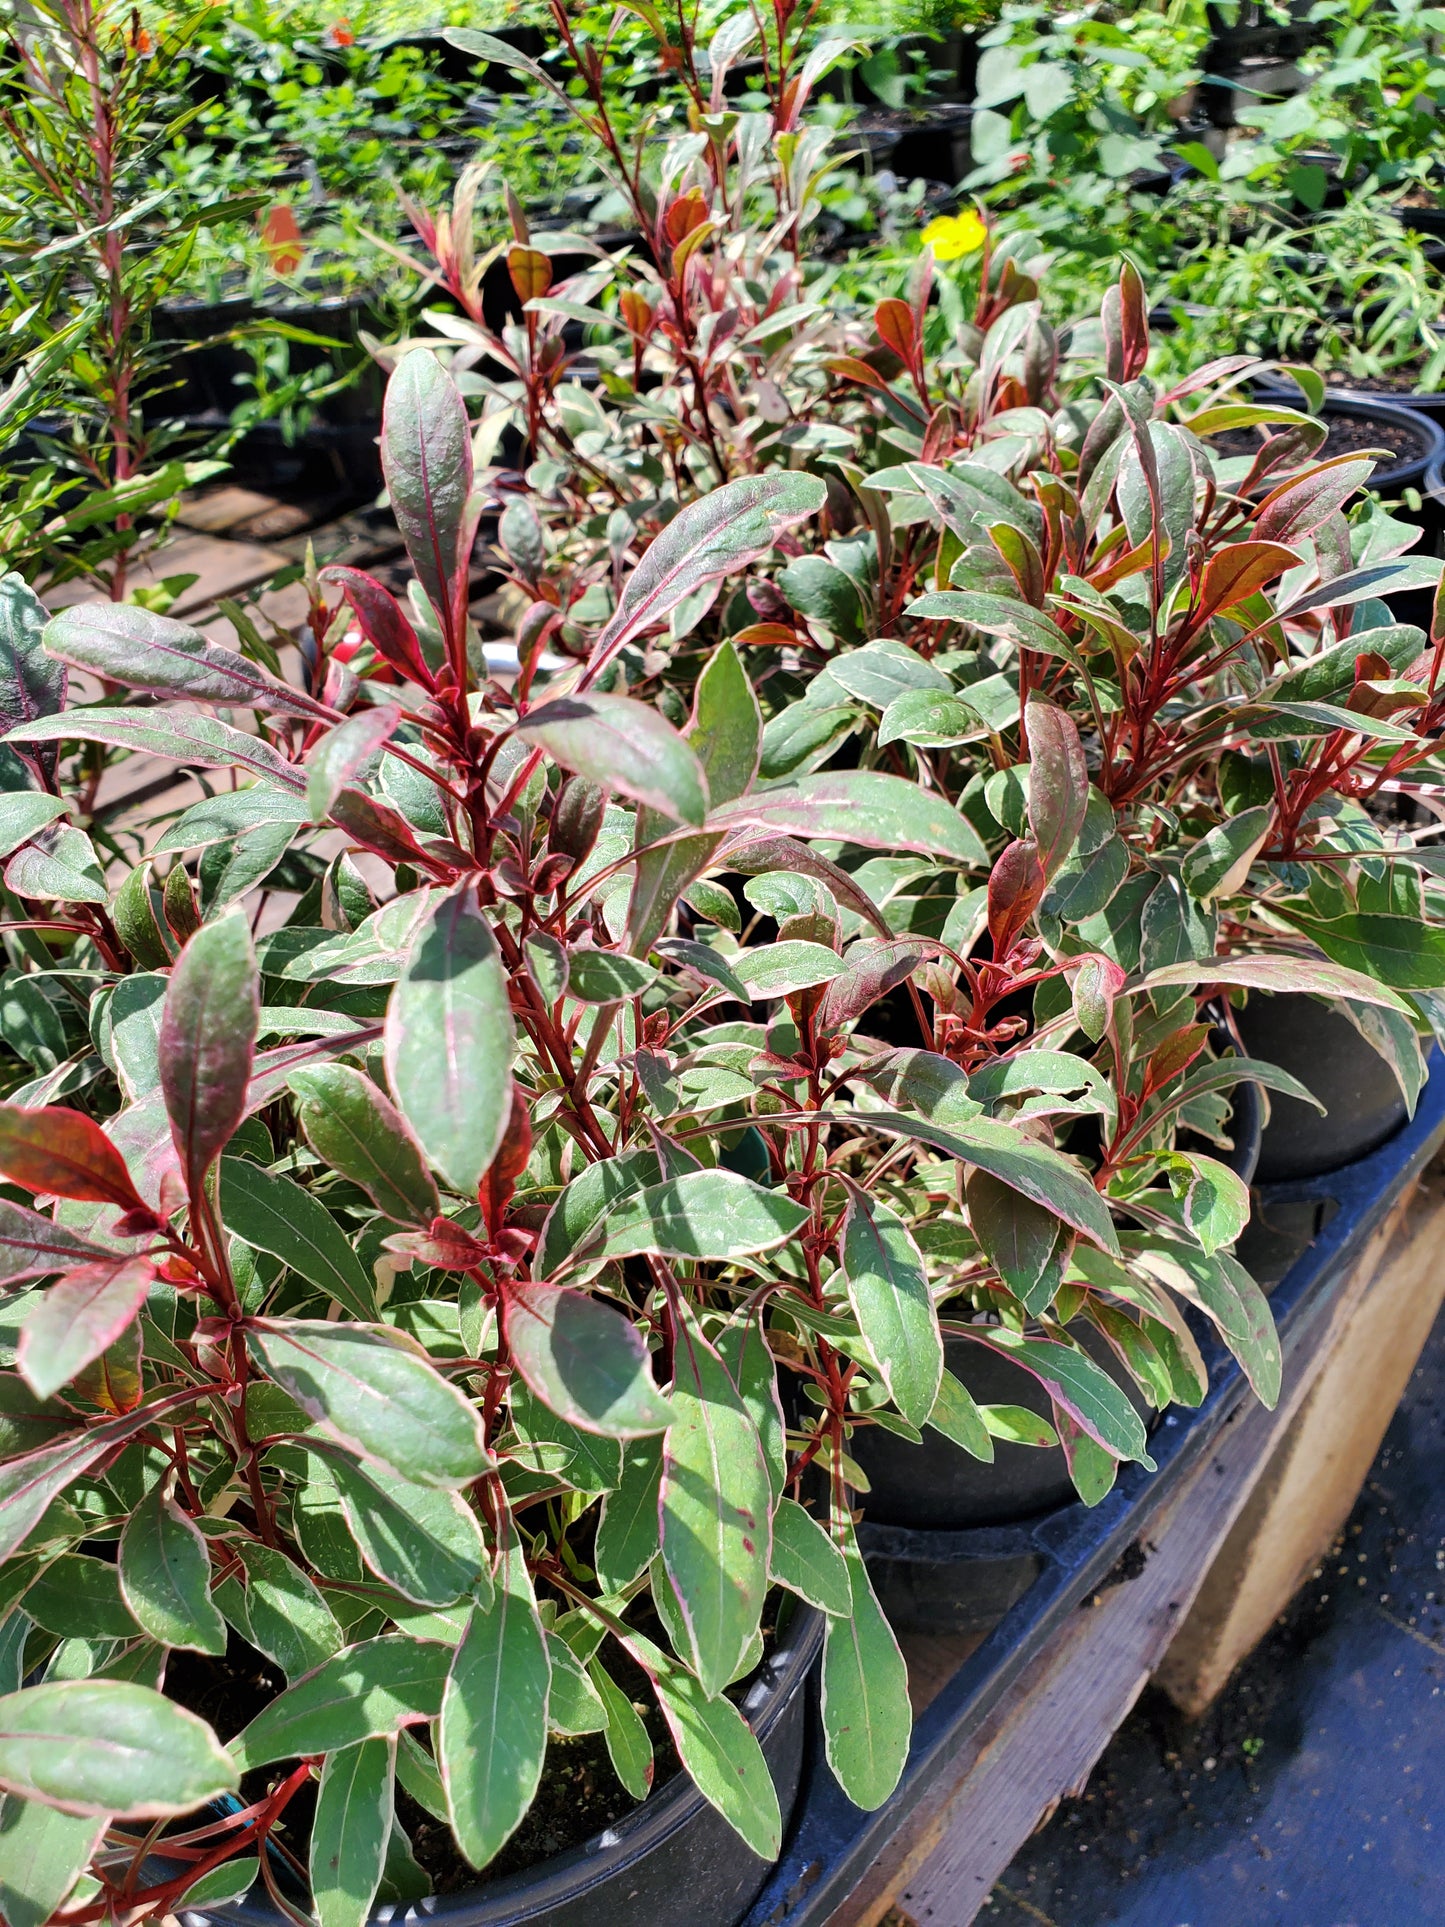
[(834, 1842), (568, 1876), (1358, 401)]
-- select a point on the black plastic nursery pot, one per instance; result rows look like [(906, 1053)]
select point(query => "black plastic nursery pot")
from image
[(1361, 420), (951, 1542), (673, 1862), (1076, 1549), (1364, 1104)]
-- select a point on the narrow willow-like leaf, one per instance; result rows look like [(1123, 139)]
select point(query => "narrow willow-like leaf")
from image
[(173, 734), (272, 1213), (165, 1573), (80, 1317), (339, 756), (625, 746), (208, 1042), (585, 1360), (425, 1544), (376, 1397), (628, 1746), (888, 1290), (93, 1746), (492, 1735), (867, 1719), (716, 1509), (715, 1745), (727, 529), (127, 644), (702, 1214), (449, 1042), (426, 457), (356, 1129), (351, 1831), (42, 1855), (367, 1692), (807, 1562), (281, 1612), (627, 1532)]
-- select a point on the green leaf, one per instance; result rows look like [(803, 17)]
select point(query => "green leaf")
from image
[(888, 1290), (42, 1853), (208, 1042), (230, 813), (702, 1214), (573, 1704), (625, 746), (1215, 1199), (1024, 1242), (867, 1719), (125, 643), (627, 1532), (858, 806), (1403, 953), (343, 753), (806, 1561), (232, 1880), (425, 1544), (354, 1127), (606, 976), (1084, 1390), (30, 1482), (367, 1692), (930, 719), (165, 1573), (377, 1398), (32, 684), (281, 1611), (628, 1744), (1019, 1162), (273, 1214), (179, 738), (1218, 863), (778, 969), (351, 1831), (584, 1359), (80, 1317), (718, 1752), (449, 1042), (591, 1462), (726, 733), (77, 1597), (725, 530), (23, 813), (1280, 973), (102, 1746), (958, 1417), (59, 866), (492, 1736), (586, 1200), (716, 1509), (1221, 1287)]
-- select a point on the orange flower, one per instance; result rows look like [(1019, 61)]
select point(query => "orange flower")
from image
[(339, 34)]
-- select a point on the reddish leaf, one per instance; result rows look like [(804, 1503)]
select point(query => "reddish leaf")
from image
[(81, 1316), (894, 321), (32, 1246), (1133, 320), (851, 369), (1177, 1052), (1015, 885), (426, 457), (208, 1043), (1297, 507), (531, 273), (687, 212), (635, 312), (864, 982), (1234, 573), (377, 826), (381, 620), (1058, 783), (54, 1151), (500, 1179)]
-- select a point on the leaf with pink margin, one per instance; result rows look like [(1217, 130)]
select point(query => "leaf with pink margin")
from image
[(208, 1042), (78, 1318), (426, 457)]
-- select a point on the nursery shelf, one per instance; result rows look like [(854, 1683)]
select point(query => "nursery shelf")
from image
[(1010, 1722)]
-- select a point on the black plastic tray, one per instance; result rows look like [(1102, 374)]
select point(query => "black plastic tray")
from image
[(832, 1843)]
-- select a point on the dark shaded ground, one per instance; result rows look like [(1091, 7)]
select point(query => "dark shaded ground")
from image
[(1313, 1793)]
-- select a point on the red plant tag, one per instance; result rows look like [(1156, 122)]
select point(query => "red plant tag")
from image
[(281, 238)]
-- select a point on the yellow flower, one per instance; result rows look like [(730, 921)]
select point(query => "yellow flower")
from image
[(952, 236)]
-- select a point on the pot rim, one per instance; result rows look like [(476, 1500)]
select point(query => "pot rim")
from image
[(574, 1873), (1391, 408)]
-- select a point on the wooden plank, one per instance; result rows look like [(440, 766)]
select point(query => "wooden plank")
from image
[(1041, 1741), (1310, 1485)]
